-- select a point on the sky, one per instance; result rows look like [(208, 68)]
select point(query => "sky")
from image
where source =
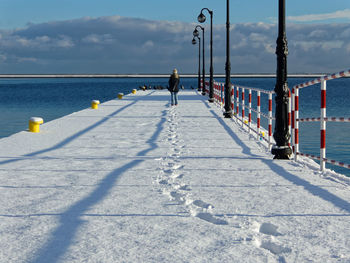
[(137, 36)]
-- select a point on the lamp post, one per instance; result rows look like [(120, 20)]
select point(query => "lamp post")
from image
[(281, 133), (228, 110), (196, 33), (201, 19), (199, 59)]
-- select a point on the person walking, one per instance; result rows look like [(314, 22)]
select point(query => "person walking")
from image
[(174, 81)]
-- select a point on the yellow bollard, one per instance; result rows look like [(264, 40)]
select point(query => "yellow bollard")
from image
[(120, 95), (262, 135), (133, 91), (34, 124), (94, 104)]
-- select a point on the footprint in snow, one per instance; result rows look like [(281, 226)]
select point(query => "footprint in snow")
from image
[(177, 175), (185, 188), (173, 165), (164, 182), (211, 219), (200, 203), (271, 231), (174, 155), (177, 196), (267, 229), (177, 166), (274, 248)]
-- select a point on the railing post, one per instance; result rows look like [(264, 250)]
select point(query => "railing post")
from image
[(233, 99), (215, 99), (243, 105), (258, 115), (214, 93), (220, 94), (237, 102), (296, 124), (293, 120), (270, 120), (289, 117), (323, 126), (250, 110), (218, 91), (223, 95)]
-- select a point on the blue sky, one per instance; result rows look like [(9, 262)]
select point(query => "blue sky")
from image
[(17, 13), (153, 36)]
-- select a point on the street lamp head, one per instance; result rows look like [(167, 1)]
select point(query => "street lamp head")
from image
[(195, 33), (194, 41), (201, 18)]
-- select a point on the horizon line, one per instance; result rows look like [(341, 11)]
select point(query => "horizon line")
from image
[(235, 75)]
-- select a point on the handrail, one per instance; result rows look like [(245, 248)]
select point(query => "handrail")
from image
[(239, 92), (256, 89), (293, 113), (341, 74), (323, 119)]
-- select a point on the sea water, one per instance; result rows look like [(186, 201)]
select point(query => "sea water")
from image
[(54, 98)]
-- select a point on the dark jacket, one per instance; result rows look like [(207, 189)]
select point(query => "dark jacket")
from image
[(174, 81)]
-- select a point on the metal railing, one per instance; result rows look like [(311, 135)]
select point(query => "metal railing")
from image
[(239, 108), (323, 119)]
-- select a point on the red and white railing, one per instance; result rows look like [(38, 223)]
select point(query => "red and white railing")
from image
[(293, 114), (323, 119), (219, 93), (240, 90), (239, 107)]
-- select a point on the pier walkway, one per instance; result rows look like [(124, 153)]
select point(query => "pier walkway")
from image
[(140, 181)]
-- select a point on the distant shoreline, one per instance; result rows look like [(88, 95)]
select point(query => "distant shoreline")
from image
[(16, 76)]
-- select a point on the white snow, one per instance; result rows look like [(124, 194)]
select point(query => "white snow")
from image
[(140, 181)]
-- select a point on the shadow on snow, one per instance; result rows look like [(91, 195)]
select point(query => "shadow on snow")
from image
[(279, 170), (70, 220)]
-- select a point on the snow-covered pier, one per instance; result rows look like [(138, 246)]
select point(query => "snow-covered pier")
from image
[(140, 181)]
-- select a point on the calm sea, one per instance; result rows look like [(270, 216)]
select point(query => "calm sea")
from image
[(54, 98)]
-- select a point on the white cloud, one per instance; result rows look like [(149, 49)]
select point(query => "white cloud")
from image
[(27, 60), (318, 33), (126, 45), (97, 39), (64, 42), (346, 33), (341, 14), (44, 39), (148, 44), (306, 45), (93, 38), (329, 45)]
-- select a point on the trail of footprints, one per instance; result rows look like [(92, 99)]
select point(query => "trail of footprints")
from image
[(171, 181), (267, 238), (171, 177)]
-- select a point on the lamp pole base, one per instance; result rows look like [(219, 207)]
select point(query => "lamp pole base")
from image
[(228, 114), (281, 152)]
